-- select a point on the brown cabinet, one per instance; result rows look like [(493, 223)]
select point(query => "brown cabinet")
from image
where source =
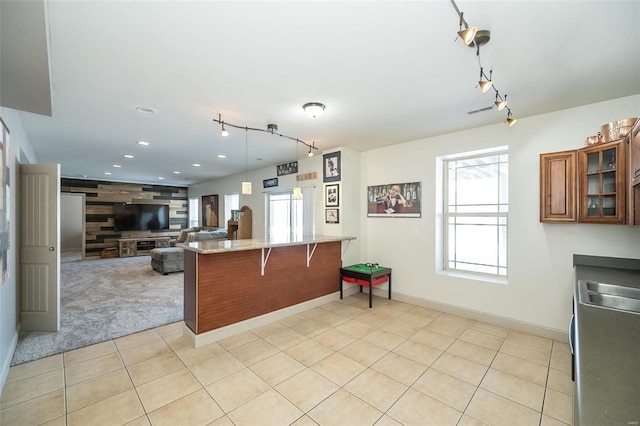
[(558, 187), (602, 183), (239, 227), (633, 176)]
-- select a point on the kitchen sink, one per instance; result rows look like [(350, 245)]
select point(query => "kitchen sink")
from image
[(614, 290), (615, 302)]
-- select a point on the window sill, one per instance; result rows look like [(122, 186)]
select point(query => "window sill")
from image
[(475, 277)]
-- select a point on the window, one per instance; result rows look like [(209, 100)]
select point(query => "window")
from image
[(194, 207), (475, 211), (231, 202), (288, 217)]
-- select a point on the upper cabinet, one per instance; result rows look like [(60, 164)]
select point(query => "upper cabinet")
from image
[(558, 173), (602, 183)]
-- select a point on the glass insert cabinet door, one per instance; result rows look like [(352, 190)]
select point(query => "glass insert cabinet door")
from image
[(602, 188)]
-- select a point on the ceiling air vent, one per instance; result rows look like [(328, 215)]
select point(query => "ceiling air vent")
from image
[(480, 110)]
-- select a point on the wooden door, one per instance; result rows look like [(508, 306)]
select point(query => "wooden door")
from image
[(558, 187), (39, 247)]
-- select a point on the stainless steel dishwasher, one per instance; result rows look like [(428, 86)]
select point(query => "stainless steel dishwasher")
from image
[(606, 344)]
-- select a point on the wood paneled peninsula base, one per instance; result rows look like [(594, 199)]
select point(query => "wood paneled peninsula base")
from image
[(235, 285)]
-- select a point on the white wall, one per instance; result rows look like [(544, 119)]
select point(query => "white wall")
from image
[(541, 273), (71, 221), (19, 142)]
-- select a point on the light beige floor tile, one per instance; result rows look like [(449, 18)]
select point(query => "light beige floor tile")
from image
[(140, 421), (519, 367), (332, 319), (469, 421), (538, 342), (310, 328), (309, 352), (284, 339), (419, 352), (473, 352), (177, 341), (560, 381), (364, 352), (134, 354), (404, 370), (307, 389), (280, 411), (255, 351), (433, 339), (459, 367), (236, 389), (356, 328), (35, 411), (94, 390), (489, 329), (60, 421), (384, 339), (190, 355), (514, 388), (89, 352), (343, 405), (449, 325), (334, 339), (519, 348), (559, 406), (480, 338), (222, 421), (425, 312), (447, 389), (338, 368), (34, 368), (314, 312), (166, 389), (268, 329), (94, 367), (550, 421), (277, 368), (119, 409), (146, 371), (397, 326), (415, 408), (376, 389), (33, 387), (194, 409), (387, 421), (492, 409), (351, 312), (561, 357), (414, 319), (215, 368), (170, 329), (136, 339), (237, 340), (293, 320)]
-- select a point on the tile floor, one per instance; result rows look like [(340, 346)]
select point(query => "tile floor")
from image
[(338, 364)]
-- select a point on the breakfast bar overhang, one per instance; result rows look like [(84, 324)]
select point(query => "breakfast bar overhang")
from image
[(231, 285)]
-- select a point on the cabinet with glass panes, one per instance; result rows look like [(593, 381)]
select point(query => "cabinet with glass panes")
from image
[(602, 188)]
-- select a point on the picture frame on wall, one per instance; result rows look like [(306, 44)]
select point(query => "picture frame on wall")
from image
[(332, 216), (287, 168), (210, 210), (395, 200), (331, 167), (270, 183), (332, 195)]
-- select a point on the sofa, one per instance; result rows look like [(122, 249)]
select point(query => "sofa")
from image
[(171, 259)]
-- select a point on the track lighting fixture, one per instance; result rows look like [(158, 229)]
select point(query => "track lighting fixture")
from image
[(500, 103), (310, 153), (224, 131), (476, 38), (314, 109)]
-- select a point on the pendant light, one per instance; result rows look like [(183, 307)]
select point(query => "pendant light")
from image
[(485, 84), (297, 191), (500, 103), (246, 185), (510, 120)]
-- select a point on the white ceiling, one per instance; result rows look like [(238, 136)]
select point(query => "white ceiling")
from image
[(387, 71)]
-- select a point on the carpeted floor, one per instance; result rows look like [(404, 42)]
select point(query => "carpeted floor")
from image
[(103, 299)]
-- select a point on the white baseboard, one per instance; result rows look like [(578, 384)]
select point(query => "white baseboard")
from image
[(202, 339), (550, 333)]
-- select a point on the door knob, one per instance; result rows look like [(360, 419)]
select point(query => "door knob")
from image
[(51, 249)]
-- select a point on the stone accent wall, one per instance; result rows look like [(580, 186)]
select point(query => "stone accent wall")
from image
[(102, 195)]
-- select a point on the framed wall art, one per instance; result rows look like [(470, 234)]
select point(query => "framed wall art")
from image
[(395, 200), (210, 210), (269, 183), (287, 168), (331, 169), (332, 216), (332, 195)]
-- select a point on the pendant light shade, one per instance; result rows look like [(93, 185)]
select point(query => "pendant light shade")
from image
[(510, 120), (500, 103), (297, 193), (468, 35), (485, 85), (246, 188)]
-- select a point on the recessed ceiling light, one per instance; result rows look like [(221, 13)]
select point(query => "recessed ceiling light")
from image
[(176, 172), (145, 110), (144, 143), (107, 173), (160, 178), (128, 156), (117, 166), (222, 156), (196, 165)]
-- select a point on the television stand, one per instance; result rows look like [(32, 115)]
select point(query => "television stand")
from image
[(128, 247)]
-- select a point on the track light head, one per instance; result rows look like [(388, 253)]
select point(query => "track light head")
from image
[(224, 131), (310, 153), (510, 120), (468, 35), (500, 103)]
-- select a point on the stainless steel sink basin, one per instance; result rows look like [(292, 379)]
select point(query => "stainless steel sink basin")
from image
[(615, 302), (615, 290)]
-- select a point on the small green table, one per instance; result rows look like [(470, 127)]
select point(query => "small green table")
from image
[(367, 276)]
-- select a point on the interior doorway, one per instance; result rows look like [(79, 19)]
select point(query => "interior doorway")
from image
[(72, 226)]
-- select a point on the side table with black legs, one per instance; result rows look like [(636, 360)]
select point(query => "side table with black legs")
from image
[(366, 275)]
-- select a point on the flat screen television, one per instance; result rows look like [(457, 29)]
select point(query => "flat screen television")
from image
[(140, 217)]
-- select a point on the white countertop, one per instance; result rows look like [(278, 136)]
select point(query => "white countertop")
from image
[(221, 246)]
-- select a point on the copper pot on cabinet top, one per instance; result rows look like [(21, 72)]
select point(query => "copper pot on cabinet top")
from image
[(594, 140), (617, 129)]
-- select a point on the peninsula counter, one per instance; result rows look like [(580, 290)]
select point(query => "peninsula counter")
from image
[(228, 282)]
